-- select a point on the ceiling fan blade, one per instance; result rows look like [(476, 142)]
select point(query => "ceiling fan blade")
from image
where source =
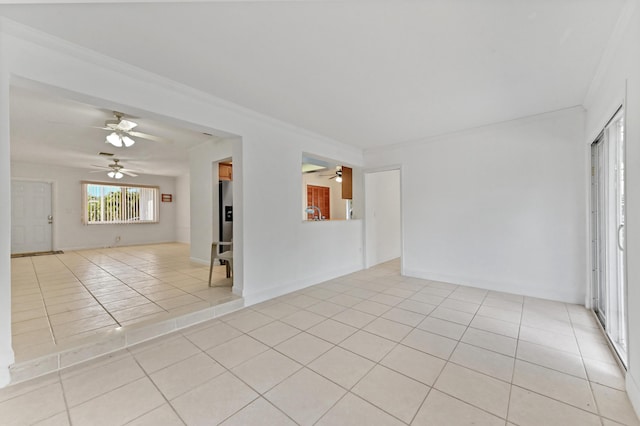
[(61, 123), (126, 125), (101, 167), (128, 173), (96, 171), (150, 137)]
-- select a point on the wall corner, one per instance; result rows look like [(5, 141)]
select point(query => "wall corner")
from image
[(6, 352), (633, 392)]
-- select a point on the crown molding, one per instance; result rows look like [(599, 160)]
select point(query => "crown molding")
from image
[(518, 121)]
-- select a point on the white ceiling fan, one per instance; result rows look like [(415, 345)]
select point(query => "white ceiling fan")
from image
[(116, 170), (122, 132), (337, 176)]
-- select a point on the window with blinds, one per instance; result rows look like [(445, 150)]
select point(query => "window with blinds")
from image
[(114, 204)]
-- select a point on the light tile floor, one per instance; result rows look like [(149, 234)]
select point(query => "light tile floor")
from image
[(371, 348), (60, 299)]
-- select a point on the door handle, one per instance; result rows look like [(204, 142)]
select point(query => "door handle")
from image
[(50, 219), (620, 228)]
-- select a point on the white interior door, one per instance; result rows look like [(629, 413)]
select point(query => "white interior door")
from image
[(31, 217), (608, 221)]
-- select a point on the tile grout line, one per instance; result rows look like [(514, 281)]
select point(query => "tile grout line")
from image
[(448, 361), (379, 316), (375, 364), (347, 390), (64, 396), (378, 363), (515, 358), (159, 391), (593, 396), (398, 343), (232, 373), (89, 262), (46, 311), (99, 302), (90, 292)]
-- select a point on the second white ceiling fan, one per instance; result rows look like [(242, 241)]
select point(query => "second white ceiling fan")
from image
[(116, 170)]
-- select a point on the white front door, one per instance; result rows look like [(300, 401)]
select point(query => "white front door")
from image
[(31, 217)]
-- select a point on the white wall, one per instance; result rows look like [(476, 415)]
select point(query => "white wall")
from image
[(499, 207), (619, 78), (6, 351), (69, 233), (274, 251), (183, 209), (382, 216), (283, 253)]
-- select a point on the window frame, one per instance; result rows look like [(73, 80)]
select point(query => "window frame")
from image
[(122, 187)]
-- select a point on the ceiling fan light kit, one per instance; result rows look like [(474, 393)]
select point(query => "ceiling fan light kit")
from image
[(116, 139), (121, 129), (116, 170)]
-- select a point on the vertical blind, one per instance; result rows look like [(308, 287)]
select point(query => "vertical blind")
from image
[(104, 203)]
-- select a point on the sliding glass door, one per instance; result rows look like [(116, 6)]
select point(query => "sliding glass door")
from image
[(608, 220)]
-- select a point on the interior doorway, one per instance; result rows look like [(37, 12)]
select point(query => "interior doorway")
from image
[(608, 230), (31, 217), (383, 227), (225, 202)]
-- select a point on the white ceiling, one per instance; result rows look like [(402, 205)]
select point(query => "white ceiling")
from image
[(48, 129), (365, 73)]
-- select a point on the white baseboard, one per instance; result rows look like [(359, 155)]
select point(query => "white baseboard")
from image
[(505, 287), (6, 359), (5, 376), (633, 392), (383, 260), (261, 296), (200, 261), (98, 247)]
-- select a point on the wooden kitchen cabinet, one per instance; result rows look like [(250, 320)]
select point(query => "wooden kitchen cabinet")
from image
[(225, 171)]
